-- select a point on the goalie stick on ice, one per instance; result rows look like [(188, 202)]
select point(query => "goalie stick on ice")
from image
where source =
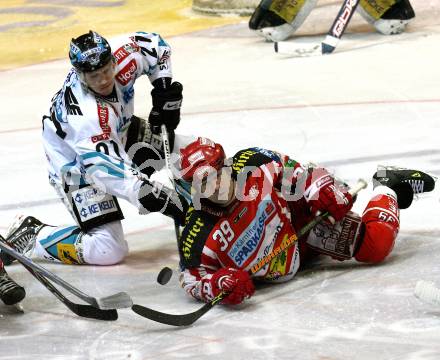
[(330, 42)]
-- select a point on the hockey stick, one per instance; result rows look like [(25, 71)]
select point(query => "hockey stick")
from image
[(167, 156), (190, 318), (116, 301), (166, 273), (87, 311), (330, 42)]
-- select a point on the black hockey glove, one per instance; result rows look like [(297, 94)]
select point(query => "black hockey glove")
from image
[(166, 107), (155, 197)]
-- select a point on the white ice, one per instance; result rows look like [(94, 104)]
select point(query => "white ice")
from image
[(374, 101)]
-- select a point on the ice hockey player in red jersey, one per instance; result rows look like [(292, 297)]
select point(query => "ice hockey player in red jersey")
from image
[(246, 206), (10, 292)]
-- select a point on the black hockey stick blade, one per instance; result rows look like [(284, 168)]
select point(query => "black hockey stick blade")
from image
[(86, 311), (115, 301), (177, 319), (172, 319)]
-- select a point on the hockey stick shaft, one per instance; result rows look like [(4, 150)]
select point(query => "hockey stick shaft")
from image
[(167, 156), (339, 25), (116, 301), (190, 318), (87, 311), (331, 40)]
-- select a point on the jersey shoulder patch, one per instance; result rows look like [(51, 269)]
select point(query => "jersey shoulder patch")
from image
[(194, 235)]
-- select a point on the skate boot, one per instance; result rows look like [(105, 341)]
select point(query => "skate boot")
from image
[(404, 182), (21, 236), (10, 292)]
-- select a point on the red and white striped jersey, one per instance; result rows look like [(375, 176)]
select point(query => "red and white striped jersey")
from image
[(246, 232)]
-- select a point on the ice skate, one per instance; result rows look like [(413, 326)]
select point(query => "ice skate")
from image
[(10, 292), (405, 182), (21, 236)]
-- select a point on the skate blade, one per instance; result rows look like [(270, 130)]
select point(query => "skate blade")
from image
[(11, 309), (19, 308)]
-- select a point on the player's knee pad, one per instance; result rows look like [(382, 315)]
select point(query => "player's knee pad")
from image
[(276, 20), (380, 227), (105, 245)]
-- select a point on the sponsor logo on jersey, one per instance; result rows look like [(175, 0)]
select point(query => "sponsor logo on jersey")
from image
[(97, 209), (163, 60), (271, 154), (240, 215), (261, 263), (120, 54), (126, 74), (242, 160), (67, 253), (103, 116), (188, 241), (248, 241), (124, 51), (277, 266), (101, 137)]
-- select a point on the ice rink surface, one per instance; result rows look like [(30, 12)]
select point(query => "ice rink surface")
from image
[(376, 100)]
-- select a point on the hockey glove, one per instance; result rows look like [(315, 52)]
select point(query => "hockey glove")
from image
[(323, 194), (155, 197), (166, 107), (236, 283)]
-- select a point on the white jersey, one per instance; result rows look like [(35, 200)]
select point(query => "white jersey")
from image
[(85, 134)]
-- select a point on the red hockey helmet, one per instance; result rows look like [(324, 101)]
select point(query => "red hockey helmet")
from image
[(198, 157)]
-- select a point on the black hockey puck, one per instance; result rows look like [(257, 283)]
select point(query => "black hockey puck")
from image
[(164, 275)]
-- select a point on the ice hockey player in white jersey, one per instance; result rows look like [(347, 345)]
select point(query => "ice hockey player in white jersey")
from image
[(276, 20), (97, 151)]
